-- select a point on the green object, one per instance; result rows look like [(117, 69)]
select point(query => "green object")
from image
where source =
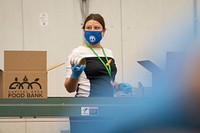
[(65, 106)]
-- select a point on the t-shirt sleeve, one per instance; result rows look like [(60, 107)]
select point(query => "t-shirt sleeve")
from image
[(68, 67)]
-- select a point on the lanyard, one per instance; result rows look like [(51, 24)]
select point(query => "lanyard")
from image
[(108, 68)]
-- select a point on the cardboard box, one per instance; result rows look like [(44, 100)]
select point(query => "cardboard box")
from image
[(25, 61), (24, 75)]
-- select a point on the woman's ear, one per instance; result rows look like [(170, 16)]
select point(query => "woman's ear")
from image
[(103, 32)]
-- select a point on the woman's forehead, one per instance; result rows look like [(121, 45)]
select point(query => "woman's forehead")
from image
[(93, 22)]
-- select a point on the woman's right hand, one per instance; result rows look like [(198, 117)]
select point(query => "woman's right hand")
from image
[(77, 70)]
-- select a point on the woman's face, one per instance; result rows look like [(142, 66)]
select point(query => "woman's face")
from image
[(93, 32), (93, 25)]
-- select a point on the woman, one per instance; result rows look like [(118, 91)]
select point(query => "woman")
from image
[(96, 78)]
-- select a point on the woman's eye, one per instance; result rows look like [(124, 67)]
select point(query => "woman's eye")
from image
[(92, 28), (88, 28), (96, 28)]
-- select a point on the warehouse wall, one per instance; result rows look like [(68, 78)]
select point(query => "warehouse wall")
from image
[(11, 36), (136, 30)]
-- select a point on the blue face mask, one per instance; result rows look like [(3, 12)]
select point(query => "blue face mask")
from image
[(93, 37)]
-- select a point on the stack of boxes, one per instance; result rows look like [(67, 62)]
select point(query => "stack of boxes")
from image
[(24, 75)]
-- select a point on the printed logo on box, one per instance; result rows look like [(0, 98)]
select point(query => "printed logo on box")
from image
[(25, 88), (89, 111), (21, 85)]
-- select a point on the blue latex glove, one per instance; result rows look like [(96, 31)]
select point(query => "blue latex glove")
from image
[(125, 87), (77, 70)]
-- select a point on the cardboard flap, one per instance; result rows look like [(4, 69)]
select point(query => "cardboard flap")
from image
[(25, 60)]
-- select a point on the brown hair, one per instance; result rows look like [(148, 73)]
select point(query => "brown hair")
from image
[(96, 17)]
